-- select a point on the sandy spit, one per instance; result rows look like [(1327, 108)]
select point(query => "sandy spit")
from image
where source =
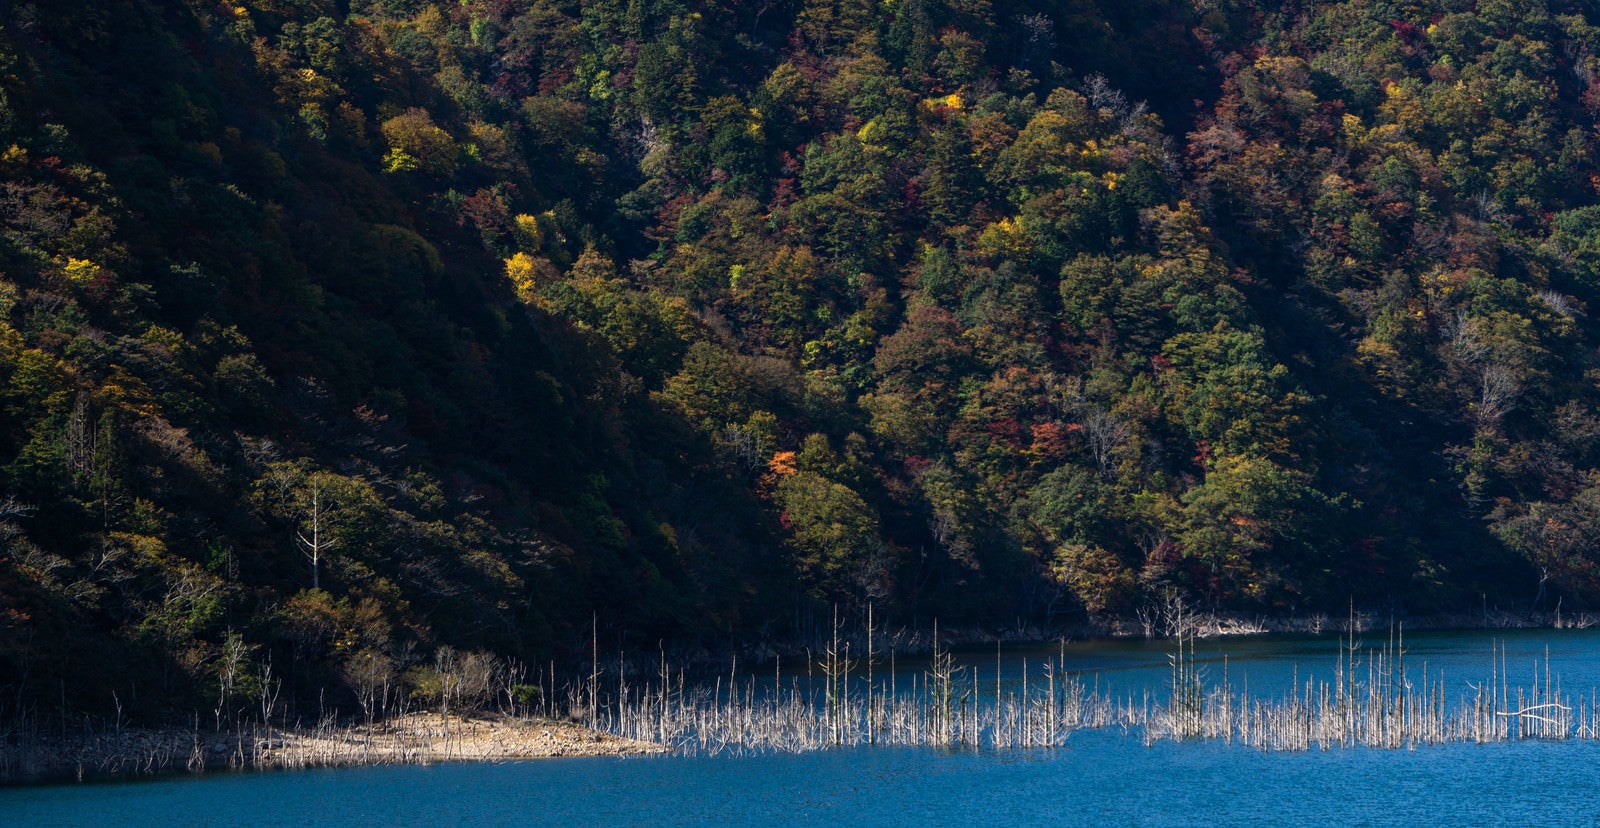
[(420, 738)]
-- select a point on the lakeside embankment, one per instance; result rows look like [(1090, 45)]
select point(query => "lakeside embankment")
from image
[(419, 738)]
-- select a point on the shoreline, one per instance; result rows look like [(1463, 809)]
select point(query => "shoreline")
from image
[(1223, 625), (104, 753), (413, 739), (1166, 624)]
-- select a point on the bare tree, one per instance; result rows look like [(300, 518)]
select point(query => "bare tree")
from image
[(319, 542), (370, 673), (1560, 303), (512, 687), (11, 508), (743, 445), (230, 665), (1498, 384), (1107, 435), (1466, 341), (1498, 390), (270, 688), (477, 674)]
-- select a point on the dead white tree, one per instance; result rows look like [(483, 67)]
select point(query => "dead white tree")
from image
[(314, 539), (230, 665), (1497, 395), (1106, 432), (1107, 435), (1498, 383)]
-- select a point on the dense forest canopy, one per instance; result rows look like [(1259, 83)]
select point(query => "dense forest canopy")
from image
[(336, 334)]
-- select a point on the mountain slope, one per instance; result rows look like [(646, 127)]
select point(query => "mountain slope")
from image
[(341, 335)]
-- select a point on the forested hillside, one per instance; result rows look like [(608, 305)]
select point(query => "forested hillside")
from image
[(336, 333)]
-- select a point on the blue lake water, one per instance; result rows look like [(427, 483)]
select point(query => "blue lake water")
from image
[(1103, 777)]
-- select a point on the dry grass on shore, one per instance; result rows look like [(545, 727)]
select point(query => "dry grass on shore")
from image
[(426, 737), (417, 738)]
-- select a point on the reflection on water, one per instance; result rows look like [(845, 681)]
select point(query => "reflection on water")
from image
[(1098, 777), (1269, 664)]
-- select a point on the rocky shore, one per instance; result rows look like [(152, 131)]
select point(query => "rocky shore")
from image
[(421, 738)]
